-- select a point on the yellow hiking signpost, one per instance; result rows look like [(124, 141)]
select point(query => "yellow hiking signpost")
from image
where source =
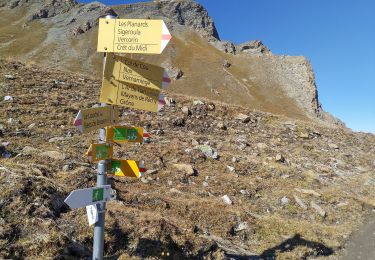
[(135, 72), (128, 83), (132, 36)]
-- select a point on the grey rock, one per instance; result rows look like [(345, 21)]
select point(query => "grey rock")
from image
[(31, 126), (284, 201), (59, 139), (178, 15), (208, 151), (224, 46), (241, 226), (261, 146), (54, 155), (197, 102), (255, 47), (243, 118), (318, 209), (152, 171), (13, 121), (194, 142), (186, 111), (300, 202), (144, 180), (170, 102), (333, 146), (279, 158), (185, 168), (173, 72), (226, 64), (230, 168), (27, 150), (227, 200), (205, 184), (66, 167), (8, 98), (309, 192), (303, 135), (9, 77), (222, 126), (174, 190), (211, 107)]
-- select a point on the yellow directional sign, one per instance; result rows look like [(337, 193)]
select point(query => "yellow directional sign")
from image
[(132, 36), (121, 134), (127, 168), (95, 118), (135, 72), (117, 93), (98, 152)]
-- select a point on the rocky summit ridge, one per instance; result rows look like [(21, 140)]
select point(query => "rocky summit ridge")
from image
[(63, 34)]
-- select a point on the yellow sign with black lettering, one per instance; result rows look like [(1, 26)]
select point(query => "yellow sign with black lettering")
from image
[(122, 94), (132, 36), (135, 72)]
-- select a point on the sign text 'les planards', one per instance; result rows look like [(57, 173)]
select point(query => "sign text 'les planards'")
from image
[(84, 197), (135, 72), (95, 118), (132, 36)]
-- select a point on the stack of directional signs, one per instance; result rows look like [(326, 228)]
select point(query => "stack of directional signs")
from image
[(126, 82)]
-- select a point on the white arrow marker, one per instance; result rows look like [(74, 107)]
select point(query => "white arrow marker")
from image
[(165, 37), (84, 197)]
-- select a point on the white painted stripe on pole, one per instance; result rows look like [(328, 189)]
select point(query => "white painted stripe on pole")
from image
[(161, 102), (166, 80), (92, 214), (78, 122)]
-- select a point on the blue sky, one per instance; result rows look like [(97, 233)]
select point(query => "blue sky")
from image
[(337, 36)]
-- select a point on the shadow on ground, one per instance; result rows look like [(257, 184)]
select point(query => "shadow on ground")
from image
[(317, 249), (170, 250)]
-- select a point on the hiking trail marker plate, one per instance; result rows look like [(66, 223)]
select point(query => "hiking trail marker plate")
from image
[(95, 118), (135, 72), (98, 152), (128, 168), (126, 95), (122, 134), (132, 36), (84, 197)]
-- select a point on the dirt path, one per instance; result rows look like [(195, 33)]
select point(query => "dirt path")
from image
[(362, 243)]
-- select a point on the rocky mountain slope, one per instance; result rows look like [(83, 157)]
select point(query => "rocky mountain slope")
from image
[(224, 182), (63, 34)]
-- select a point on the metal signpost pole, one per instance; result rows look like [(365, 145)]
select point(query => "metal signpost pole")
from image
[(101, 179)]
